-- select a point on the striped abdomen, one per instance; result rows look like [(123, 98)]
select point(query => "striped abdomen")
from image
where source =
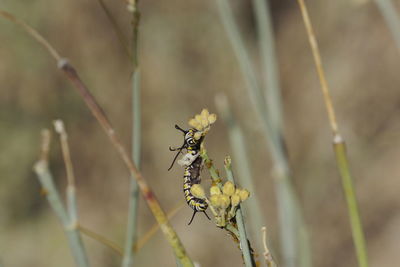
[(191, 177)]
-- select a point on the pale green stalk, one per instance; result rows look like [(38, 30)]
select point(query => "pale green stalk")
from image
[(266, 43), (291, 222), (244, 243), (131, 235), (242, 164), (349, 191), (391, 17), (53, 196)]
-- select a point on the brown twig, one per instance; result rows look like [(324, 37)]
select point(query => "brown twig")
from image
[(99, 114)]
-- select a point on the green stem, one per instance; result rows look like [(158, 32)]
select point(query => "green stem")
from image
[(131, 235), (53, 196), (290, 215), (244, 243), (214, 173), (348, 187), (269, 63), (242, 165)]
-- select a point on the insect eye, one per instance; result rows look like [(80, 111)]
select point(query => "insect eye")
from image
[(191, 142)]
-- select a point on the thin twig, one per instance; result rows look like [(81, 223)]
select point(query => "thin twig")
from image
[(339, 147), (99, 238), (267, 254), (150, 233), (140, 243), (318, 63), (71, 198), (32, 32), (46, 180), (99, 114)]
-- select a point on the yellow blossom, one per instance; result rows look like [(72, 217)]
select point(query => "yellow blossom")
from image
[(244, 194), (214, 190), (228, 189), (235, 200), (224, 201)]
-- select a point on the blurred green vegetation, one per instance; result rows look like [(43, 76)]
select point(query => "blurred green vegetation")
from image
[(186, 60)]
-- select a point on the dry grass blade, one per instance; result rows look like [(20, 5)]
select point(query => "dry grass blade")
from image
[(339, 148)]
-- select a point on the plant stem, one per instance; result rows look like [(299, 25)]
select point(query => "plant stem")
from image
[(242, 165), (348, 187), (46, 180), (101, 118), (290, 215), (101, 239), (244, 243), (131, 232), (339, 146), (272, 93)]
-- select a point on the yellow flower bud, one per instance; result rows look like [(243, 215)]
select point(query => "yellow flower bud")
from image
[(212, 118), (224, 201), (244, 194), (195, 124), (235, 200), (198, 118), (198, 191), (214, 190), (215, 200), (204, 113), (229, 188), (197, 135), (204, 123)]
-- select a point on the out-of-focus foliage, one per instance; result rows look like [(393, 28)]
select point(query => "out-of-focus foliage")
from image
[(185, 60)]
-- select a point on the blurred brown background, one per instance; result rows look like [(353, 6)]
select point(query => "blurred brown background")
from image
[(185, 60)]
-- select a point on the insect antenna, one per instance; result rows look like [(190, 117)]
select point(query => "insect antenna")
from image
[(180, 129), (205, 213), (176, 156), (194, 213)]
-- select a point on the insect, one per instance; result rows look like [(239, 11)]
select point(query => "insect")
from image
[(192, 163)]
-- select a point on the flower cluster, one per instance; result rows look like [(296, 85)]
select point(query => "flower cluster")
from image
[(223, 203), (202, 123)]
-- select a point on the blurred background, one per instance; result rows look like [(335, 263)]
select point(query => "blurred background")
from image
[(185, 60)]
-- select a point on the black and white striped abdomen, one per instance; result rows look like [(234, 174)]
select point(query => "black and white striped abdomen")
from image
[(195, 203)]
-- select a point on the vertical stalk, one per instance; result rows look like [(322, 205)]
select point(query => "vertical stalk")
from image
[(339, 146), (131, 232), (349, 191), (244, 243), (46, 180), (240, 155), (391, 17), (293, 231), (265, 33)]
